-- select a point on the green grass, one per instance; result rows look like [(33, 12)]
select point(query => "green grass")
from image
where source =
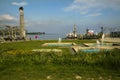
[(28, 65)]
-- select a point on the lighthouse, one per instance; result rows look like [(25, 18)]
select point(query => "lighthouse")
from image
[(22, 25)]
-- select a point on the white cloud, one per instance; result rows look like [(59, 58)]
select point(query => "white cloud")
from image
[(7, 17), (19, 3), (94, 14), (92, 6)]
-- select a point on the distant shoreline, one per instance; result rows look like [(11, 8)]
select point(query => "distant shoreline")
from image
[(35, 33)]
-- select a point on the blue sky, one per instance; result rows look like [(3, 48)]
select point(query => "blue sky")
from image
[(59, 16)]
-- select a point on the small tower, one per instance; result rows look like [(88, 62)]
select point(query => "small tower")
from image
[(87, 31), (102, 30), (75, 31), (22, 28)]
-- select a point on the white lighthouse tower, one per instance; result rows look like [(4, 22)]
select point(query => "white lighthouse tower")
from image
[(22, 26)]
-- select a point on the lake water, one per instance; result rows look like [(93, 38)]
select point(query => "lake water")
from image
[(46, 36)]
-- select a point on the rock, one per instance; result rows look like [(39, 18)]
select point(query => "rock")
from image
[(78, 77), (48, 77)]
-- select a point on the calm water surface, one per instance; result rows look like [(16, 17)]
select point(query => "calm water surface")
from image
[(46, 36)]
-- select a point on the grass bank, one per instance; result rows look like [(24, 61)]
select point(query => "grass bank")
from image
[(43, 66)]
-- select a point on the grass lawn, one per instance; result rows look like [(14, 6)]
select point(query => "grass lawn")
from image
[(28, 65)]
